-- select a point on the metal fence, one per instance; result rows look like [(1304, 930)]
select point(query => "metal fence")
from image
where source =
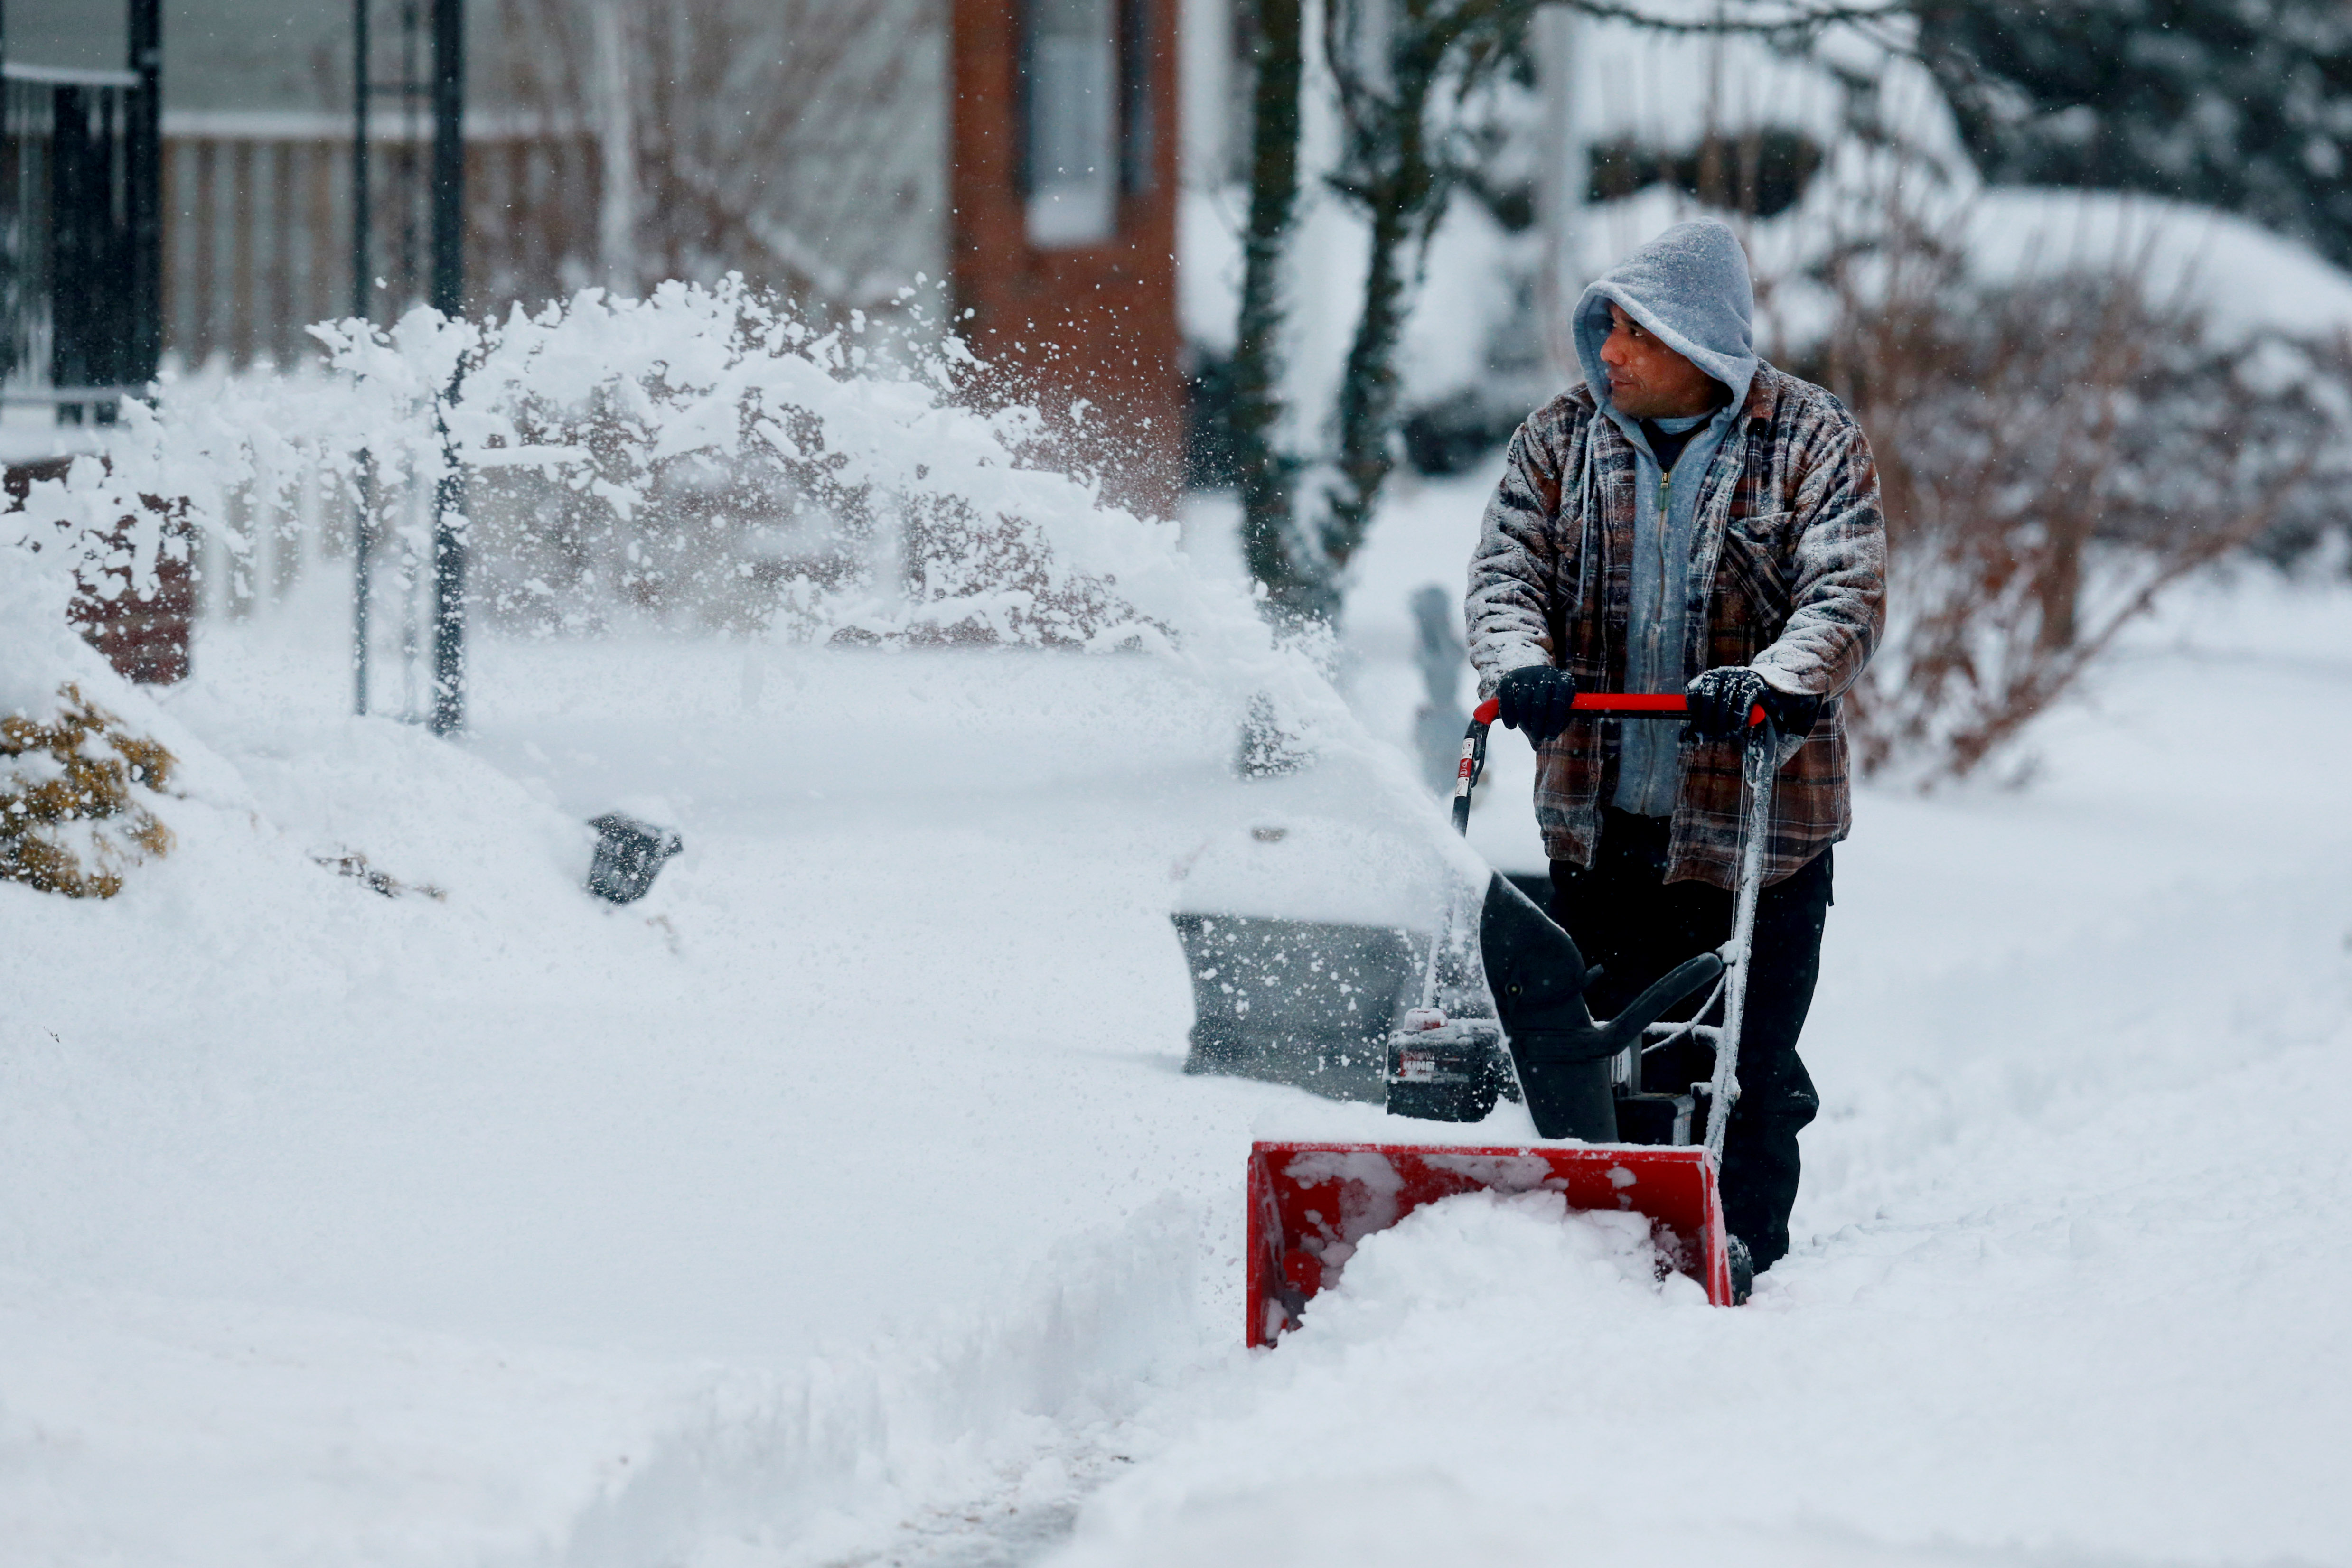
[(81, 236), (258, 228)]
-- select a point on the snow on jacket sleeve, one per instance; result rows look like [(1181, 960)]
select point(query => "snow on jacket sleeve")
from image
[(1838, 606), (1509, 608)]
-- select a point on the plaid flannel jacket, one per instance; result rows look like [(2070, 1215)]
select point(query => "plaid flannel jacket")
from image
[(1789, 574)]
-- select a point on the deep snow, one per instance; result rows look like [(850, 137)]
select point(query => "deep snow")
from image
[(842, 1202)]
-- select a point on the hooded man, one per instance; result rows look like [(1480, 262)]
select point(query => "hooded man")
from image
[(1689, 519)]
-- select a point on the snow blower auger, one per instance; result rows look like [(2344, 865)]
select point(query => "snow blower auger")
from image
[(1311, 1203)]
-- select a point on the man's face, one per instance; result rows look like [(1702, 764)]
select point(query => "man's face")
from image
[(1649, 381)]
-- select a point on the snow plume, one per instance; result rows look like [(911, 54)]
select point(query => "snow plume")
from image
[(932, 520), (651, 453)]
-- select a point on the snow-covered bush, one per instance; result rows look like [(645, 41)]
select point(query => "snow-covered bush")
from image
[(2056, 448), (74, 786), (76, 780)]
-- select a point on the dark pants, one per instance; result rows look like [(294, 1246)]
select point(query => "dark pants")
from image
[(1627, 918)]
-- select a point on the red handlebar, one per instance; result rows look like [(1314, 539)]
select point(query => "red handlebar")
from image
[(1618, 704)]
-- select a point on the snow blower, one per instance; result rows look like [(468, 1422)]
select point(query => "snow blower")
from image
[(1628, 1149)]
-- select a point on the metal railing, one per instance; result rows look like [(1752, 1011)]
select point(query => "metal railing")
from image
[(81, 229)]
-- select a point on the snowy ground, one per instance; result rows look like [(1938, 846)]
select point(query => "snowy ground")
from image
[(842, 1202)]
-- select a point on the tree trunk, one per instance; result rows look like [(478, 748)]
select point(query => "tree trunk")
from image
[(1402, 203), (1368, 395), (2060, 588), (1269, 537)]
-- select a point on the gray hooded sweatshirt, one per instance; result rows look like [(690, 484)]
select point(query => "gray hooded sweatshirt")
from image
[(1689, 287)]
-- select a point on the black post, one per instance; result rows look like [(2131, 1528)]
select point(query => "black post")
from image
[(112, 302), (144, 179), (363, 517), (362, 91), (11, 230), (448, 296), (15, 253), (74, 235)]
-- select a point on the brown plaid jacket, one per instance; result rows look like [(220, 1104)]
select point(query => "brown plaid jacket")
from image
[(1790, 575)]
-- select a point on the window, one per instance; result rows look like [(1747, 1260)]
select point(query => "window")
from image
[(1073, 88)]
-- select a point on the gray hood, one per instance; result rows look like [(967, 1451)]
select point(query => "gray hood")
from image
[(1690, 287)]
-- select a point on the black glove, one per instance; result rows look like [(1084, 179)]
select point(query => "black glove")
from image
[(1535, 700), (1721, 699)]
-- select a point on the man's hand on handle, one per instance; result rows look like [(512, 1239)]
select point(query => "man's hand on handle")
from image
[(1538, 701), (1721, 699), (1535, 700)]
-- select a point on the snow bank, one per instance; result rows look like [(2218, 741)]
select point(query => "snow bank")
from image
[(810, 1468), (1457, 1308), (160, 1429)]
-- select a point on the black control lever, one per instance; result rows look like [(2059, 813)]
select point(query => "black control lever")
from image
[(1540, 979)]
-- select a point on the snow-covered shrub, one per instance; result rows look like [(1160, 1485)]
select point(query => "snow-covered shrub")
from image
[(2056, 448), (76, 780), (74, 785)]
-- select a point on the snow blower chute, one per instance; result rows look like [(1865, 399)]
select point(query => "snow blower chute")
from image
[(1311, 1203)]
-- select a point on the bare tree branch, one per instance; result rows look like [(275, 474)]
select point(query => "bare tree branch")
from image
[(768, 137), (1747, 19)]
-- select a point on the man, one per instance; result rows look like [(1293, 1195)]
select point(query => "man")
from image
[(1689, 519)]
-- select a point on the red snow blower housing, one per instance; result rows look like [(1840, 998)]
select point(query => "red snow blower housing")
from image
[(1629, 1149)]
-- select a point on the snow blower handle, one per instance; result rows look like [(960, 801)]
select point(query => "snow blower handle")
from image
[(1645, 704), (1473, 760), (1608, 704)]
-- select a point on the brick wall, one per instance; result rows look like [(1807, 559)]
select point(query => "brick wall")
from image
[(145, 639), (1096, 321)]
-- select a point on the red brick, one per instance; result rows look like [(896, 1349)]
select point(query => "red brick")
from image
[(1096, 322)]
